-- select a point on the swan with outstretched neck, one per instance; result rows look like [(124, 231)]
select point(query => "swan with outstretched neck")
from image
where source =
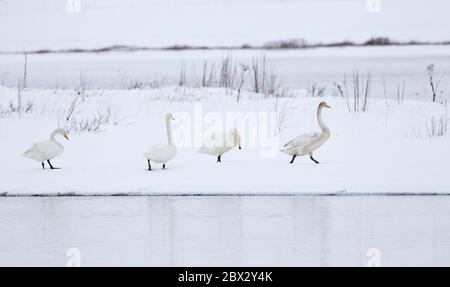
[(162, 153), (47, 150), (306, 144)]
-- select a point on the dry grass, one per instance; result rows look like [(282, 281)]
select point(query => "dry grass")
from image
[(438, 126), (96, 124), (358, 98), (259, 76), (434, 85)]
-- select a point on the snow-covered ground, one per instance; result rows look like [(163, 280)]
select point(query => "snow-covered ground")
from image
[(48, 24), (386, 150)]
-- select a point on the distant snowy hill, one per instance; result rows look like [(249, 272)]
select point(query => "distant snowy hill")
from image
[(48, 24)]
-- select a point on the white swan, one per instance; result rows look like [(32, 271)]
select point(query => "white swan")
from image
[(219, 143), (47, 150), (308, 143), (162, 153)]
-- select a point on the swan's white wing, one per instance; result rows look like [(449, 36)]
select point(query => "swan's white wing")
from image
[(217, 144), (43, 151), (216, 151), (218, 140), (161, 153), (33, 147), (302, 140)]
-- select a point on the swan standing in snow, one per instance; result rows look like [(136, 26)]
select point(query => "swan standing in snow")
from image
[(219, 143), (47, 150), (308, 143), (162, 153)]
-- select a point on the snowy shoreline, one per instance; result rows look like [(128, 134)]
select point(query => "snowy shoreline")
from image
[(133, 194), (384, 151)]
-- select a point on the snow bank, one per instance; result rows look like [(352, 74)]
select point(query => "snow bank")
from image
[(384, 151)]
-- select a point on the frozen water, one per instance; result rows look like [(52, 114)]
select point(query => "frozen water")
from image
[(298, 69), (230, 231)]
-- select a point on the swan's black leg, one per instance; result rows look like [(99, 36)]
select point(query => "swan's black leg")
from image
[(51, 166), (164, 166), (43, 166), (311, 157), (293, 158), (149, 165), (219, 158)]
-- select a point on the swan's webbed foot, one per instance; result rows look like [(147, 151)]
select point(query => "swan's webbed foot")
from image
[(43, 165), (219, 158), (293, 158), (164, 166), (311, 157), (149, 165), (51, 166)]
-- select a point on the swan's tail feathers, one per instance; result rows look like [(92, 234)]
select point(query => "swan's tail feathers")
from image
[(287, 146), (285, 149), (32, 155), (288, 143), (30, 149), (28, 152)]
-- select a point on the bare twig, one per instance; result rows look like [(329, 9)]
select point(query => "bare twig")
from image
[(433, 84), (73, 105), (385, 92), (93, 125), (243, 75), (366, 92), (24, 84), (438, 127), (19, 97), (182, 79)]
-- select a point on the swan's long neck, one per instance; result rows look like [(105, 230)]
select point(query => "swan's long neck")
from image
[(169, 131), (53, 138), (322, 125)]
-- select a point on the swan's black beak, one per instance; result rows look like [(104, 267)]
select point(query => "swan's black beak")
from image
[(65, 135), (240, 147)]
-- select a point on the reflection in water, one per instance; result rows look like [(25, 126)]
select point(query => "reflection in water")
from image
[(217, 231)]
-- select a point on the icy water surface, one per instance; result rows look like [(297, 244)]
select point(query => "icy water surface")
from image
[(390, 68), (217, 231)]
